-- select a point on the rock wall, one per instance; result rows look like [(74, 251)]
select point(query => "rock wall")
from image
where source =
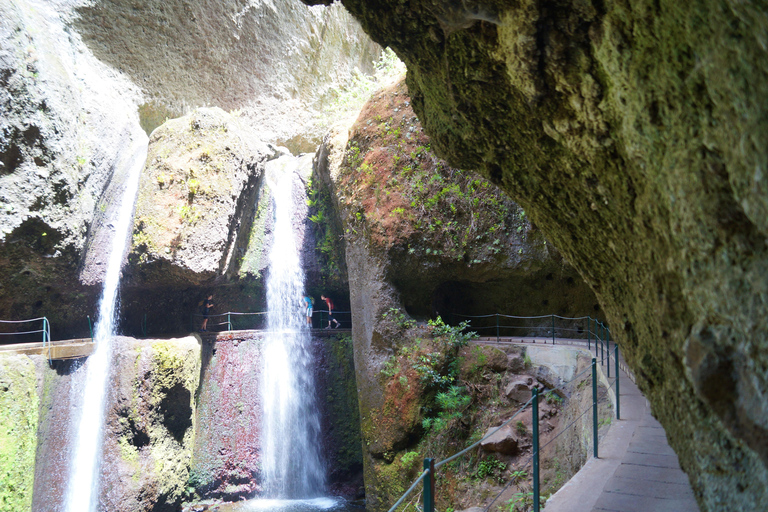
[(18, 431), (182, 423), (277, 61), (634, 136), (225, 462), (83, 80), (421, 239), (68, 126), (149, 432)]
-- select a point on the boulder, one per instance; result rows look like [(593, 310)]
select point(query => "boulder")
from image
[(515, 362), (196, 199), (477, 358), (519, 390), (505, 441)]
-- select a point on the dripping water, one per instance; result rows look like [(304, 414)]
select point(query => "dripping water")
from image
[(83, 479)]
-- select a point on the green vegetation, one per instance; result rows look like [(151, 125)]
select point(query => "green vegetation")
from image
[(491, 468), (329, 248), (393, 189), (554, 399), (401, 319), (359, 89), (18, 432)]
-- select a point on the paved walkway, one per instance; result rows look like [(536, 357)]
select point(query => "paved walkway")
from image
[(636, 470)]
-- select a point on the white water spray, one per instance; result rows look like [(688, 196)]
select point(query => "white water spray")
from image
[(291, 462), (83, 487)]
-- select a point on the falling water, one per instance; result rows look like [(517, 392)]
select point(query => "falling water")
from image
[(83, 486), (291, 462)]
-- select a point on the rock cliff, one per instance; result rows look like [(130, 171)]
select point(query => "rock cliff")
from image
[(423, 239), (82, 82), (634, 135), (182, 423)]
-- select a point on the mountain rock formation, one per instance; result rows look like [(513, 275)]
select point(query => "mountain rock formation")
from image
[(423, 239), (634, 134), (84, 82)]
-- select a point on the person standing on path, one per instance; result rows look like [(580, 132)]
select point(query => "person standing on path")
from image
[(207, 305), (309, 302), (329, 302)]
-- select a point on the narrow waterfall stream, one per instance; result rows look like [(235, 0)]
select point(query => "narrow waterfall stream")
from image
[(291, 461), (83, 486)]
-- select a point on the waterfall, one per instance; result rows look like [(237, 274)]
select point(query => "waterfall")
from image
[(83, 485), (292, 467)]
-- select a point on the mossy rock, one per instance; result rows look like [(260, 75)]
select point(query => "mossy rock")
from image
[(18, 432)]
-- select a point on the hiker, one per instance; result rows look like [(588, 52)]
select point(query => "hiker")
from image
[(329, 302), (207, 305), (309, 302)]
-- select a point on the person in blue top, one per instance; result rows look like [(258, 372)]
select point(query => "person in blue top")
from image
[(310, 302)]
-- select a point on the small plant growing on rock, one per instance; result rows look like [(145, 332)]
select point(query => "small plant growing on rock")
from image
[(521, 428), (193, 185), (163, 180), (491, 468), (401, 319), (554, 399)]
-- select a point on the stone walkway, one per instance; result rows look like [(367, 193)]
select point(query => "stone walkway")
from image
[(636, 470)]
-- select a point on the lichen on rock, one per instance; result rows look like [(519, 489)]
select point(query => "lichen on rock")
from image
[(18, 431), (150, 423)]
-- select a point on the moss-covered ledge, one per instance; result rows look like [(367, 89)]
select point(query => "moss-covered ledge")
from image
[(635, 136), (18, 431)]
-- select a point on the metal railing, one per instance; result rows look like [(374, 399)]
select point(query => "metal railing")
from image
[(45, 331), (235, 321), (594, 332), (601, 335)]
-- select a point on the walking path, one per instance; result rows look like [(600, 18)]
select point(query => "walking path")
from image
[(636, 470)]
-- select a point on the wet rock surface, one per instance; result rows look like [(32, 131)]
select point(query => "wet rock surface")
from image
[(632, 135), (196, 201), (84, 81)]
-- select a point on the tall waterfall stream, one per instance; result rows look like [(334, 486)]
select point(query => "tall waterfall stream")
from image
[(291, 462), (83, 486)]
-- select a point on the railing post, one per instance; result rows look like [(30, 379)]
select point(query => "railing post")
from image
[(535, 425), (429, 486), (608, 357), (90, 327), (618, 399), (553, 329), (602, 346), (46, 339), (497, 327), (229, 321), (594, 406), (589, 333)]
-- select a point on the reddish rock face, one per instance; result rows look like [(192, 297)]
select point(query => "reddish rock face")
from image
[(225, 462)]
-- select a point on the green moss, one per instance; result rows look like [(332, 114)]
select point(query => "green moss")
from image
[(341, 401), (328, 234), (18, 432), (252, 261)]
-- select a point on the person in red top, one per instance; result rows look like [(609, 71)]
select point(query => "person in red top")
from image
[(329, 302)]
